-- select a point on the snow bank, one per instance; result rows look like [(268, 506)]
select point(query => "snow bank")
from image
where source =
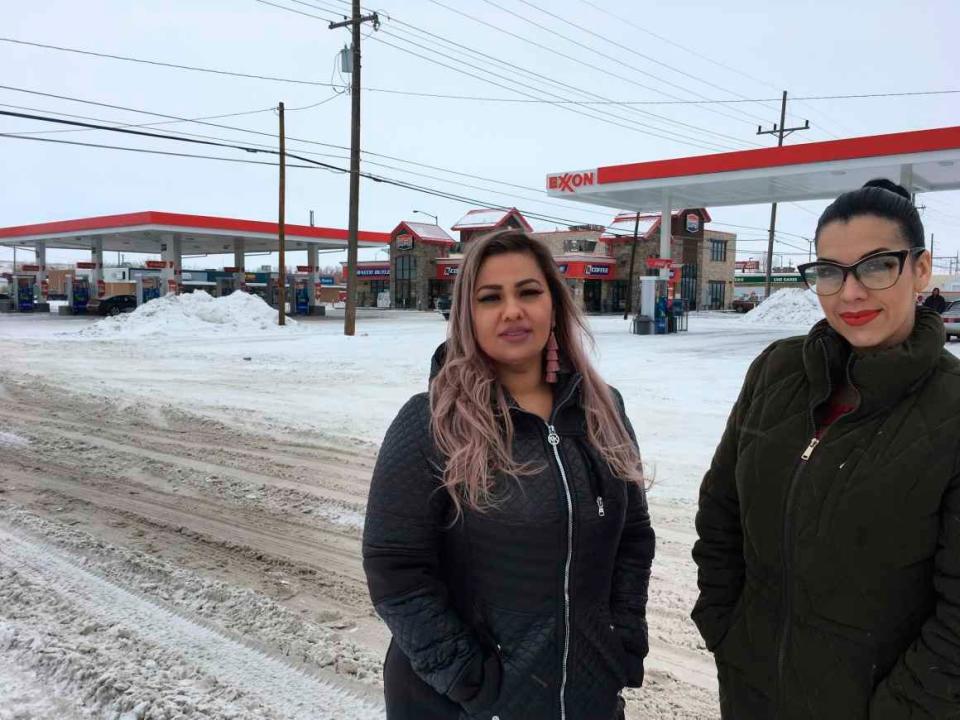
[(787, 307), (191, 314)]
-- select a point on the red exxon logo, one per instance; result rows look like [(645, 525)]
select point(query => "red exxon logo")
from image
[(569, 182)]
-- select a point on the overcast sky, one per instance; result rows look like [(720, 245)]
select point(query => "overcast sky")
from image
[(683, 50)]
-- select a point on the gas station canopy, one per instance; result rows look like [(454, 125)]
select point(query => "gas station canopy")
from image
[(146, 232), (921, 161)]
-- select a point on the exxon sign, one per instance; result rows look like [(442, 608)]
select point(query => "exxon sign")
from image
[(571, 181)]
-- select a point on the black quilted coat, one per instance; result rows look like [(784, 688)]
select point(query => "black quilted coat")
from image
[(534, 610), (830, 572)]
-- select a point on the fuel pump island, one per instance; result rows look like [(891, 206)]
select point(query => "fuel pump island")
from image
[(171, 236)]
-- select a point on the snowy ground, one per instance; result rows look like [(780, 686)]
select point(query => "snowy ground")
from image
[(168, 502)]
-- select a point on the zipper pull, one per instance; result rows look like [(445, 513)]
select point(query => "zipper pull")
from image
[(600, 511), (552, 437), (810, 448)]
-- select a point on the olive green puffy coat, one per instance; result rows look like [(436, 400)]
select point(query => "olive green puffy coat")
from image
[(829, 573)]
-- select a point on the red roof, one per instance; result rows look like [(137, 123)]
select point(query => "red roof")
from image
[(187, 223)]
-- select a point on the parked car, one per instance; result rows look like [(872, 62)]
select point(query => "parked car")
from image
[(951, 320), (113, 305), (745, 304), (443, 306)]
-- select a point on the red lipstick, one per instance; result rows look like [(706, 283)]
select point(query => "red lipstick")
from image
[(858, 319)]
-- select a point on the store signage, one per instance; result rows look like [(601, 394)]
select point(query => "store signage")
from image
[(373, 272), (232, 270), (569, 182), (86, 266), (597, 270), (404, 241), (744, 265), (451, 270), (30, 268), (693, 222), (305, 268), (157, 264), (326, 279), (660, 263), (775, 279)]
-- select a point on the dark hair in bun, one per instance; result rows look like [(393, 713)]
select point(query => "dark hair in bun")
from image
[(881, 198)]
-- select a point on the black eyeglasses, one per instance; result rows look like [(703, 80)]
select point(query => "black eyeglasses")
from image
[(875, 272)]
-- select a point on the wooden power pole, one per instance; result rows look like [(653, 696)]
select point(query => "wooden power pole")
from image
[(282, 294), (780, 131), (354, 23)]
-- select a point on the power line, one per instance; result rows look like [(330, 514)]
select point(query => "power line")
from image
[(407, 41), (310, 164), (616, 60), (595, 67), (477, 98), (175, 118), (148, 151), (654, 131), (541, 201), (631, 23)]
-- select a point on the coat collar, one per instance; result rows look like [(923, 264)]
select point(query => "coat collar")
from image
[(880, 377)]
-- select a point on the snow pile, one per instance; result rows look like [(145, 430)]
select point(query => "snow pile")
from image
[(191, 314), (787, 307)]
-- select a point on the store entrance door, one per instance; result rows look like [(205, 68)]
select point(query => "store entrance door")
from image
[(592, 290)]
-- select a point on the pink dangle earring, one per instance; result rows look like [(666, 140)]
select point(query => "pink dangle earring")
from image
[(553, 358)]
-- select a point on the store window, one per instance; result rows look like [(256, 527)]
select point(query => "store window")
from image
[(405, 271), (718, 250), (716, 293)]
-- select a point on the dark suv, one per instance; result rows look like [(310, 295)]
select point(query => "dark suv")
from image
[(113, 305)]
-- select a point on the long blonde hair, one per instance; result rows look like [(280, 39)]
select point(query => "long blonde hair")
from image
[(470, 417)]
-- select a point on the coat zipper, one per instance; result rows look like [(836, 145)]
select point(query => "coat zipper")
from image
[(554, 439), (788, 531), (787, 561)]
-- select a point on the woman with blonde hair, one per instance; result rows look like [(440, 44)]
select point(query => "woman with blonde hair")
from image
[(507, 543)]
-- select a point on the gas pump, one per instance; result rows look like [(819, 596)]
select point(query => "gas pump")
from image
[(226, 285), (148, 288), (78, 293), (301, 296), (273, 290), (25, 288), (663, 307)]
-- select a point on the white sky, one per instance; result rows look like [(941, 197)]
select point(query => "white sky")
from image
[(809, 48)]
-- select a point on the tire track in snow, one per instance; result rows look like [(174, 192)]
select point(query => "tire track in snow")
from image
[(292, 692)]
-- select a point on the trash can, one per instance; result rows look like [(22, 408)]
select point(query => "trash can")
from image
[(642, 325)]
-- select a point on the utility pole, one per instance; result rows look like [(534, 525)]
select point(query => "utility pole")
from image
[(633, 254), (282, 223), (354, 23), (780, 131)]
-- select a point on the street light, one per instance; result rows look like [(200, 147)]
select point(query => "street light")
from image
[(435, 220)]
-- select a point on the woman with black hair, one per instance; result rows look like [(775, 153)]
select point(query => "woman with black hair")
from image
[(829, 521)]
